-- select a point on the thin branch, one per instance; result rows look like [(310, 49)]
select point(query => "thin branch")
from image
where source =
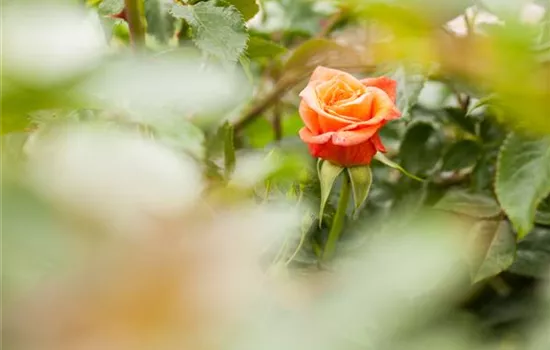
[(135, 24)]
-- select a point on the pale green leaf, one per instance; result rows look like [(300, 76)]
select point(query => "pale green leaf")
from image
[(470, 204), (248, 8), (260, 47), (497, 243), (218, 31), (159, 23), (522, 179), (328, 173), (361, 180), (111, 7), (410, 81)]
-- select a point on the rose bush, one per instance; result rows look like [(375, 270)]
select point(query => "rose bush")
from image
[(342, 115)]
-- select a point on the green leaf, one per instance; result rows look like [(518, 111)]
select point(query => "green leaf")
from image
[(497, 244), (522, 179), (328, 173), (461, 119), (159, 23), (320, 52), (533, 254), (470, 204), (421, 148), (247, 8), (110, 7), (259, 47), (218, 31), (361, 180), (181, 136), (462, 154), (229, 149), (410, 81), (385, 160)]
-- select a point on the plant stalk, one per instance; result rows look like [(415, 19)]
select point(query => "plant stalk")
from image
[(339, 218), (135, 24)]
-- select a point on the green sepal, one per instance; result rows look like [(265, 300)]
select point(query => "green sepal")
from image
[(328, 172), (385, 160), (361, 180)]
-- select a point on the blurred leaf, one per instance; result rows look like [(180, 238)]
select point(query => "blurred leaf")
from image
[(470, 204), (159, 22), (361, 180), (181, 136), (385, 160), (533, 254), (111, 7), (542, 216), (462, 154), (229, 149), (499, 245), (218, 31), (481, 103), (410, 82), (248, 8), (328, 173), (460, 118), (260, 47), (321, 52), (523, 179), (421, 147)]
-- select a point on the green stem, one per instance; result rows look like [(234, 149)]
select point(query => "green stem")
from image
[(339, 218), (135, 23)]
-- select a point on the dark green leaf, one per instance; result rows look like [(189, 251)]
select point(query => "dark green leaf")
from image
[(497, 244), (533, 254), (229, 150), (218, 31), (523, 178), (247, 8), (460, 118), (470, 204), (420, 150), (159, 23), (460, 155)]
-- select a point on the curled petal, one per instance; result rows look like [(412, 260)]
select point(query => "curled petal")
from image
[(308, 137), (327, 121), (309, 117), (353, 137), (377, 142), (389, 86), (360, 108)]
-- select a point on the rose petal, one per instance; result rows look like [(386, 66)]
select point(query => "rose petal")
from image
[(354, 137), (389, 86), (360, 154), (308, 137), (360, 108), (383, 108), (310, 117), (377, 142), (327, 122)]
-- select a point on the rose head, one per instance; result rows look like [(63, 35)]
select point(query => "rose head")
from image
[(342, 115)]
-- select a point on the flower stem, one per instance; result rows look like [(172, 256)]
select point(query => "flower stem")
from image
[(135, 24), (339, 218)]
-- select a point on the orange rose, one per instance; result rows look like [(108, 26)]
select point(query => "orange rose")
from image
[(342, 115)]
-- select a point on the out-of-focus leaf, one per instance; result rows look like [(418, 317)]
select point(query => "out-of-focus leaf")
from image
[(470, 204), (181, 136), (228, 149), (460, 118), (317, 52), (410, 82), (523, 178), (460, 155), (533, 254), (110, 7), (497, 244), (328, 173), (260, 47), (421, 148), (247, 8), (218, 31), (361, 180), (385, 160), (481, 103), (159, 23), (542, 216)]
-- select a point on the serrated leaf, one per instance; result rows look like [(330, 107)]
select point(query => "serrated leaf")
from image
[(218, 31), (328, 173), (497, 244), (248, 8), (533, 254), (522, 179), (385, 160), (260, 47), (462, 154), (420, 149), (410, 81), (361, 180), (470, 204)]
